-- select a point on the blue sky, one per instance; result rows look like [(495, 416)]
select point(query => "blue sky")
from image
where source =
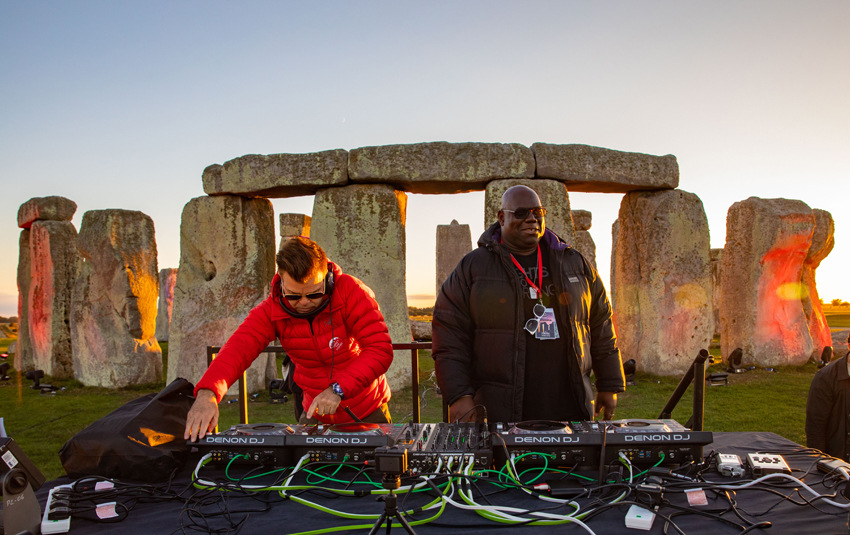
[(123, 104)]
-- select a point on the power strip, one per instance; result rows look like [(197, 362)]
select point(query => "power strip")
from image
[(61, 525), (730, 465), (835, 465), (763, 464)]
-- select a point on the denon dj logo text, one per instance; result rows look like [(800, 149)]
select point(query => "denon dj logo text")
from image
[(548, 440), (335, 440), (234, 440), (656, 438)]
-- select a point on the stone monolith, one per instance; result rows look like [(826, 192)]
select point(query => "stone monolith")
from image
[(23, 360), (615, 232), (454, 241), (839, 343), (553, 195), (362, 228), (663, 280), (582, 219), (113, 320), (277, 175), (54, 263), (227, 248), (165, 305), (440, 167), (421, 330), (53, 208), (594, 169), (716, 264), (823, 240), (292, 225), (761, 312)]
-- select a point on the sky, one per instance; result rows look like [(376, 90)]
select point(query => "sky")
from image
[(123, 104)]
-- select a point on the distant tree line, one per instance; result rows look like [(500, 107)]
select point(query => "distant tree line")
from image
[(416, 311)]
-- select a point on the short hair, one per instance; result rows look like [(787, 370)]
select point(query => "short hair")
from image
[(302, 259)]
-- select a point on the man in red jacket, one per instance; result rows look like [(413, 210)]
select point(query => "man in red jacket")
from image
[(332, 329)]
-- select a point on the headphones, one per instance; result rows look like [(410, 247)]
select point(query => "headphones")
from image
[(329, 289)]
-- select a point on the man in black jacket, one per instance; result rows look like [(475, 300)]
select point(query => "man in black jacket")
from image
[(521, 322), (828, 409)]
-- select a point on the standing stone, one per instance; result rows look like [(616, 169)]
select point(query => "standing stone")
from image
[(54, 263), (716, 256), (23, 360), (113, 322), (663, 279), (454, 241), (615, 232), (594, 169), (277, 175), (440, 167), (45, 209), (839, 344), (553, 196), (167, 281), (361, 228), (226, 266), (761, 312), (823, 240), (292, 225), (582, 220)]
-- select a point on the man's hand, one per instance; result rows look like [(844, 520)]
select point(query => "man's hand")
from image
[(325, 403), (462, 408), (203, 416), (608, 401)]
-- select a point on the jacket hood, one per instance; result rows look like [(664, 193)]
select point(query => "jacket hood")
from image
[(493, 236), (276, 294)]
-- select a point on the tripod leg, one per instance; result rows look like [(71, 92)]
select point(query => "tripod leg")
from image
[(405, 525), (380, 522)]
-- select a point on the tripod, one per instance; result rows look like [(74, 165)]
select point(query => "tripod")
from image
[(391, 482)]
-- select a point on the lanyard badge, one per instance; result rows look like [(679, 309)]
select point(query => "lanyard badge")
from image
[(533, 289)]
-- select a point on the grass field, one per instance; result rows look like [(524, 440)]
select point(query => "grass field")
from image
[(754, 401)]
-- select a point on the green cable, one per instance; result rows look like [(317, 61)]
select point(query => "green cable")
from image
[(226, 468)]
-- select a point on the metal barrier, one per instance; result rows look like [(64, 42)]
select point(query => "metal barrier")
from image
[(414, 348)]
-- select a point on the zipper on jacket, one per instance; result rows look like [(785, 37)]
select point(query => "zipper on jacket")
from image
[(520, 297)]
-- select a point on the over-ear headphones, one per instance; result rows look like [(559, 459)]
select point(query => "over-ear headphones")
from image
[(329, 289)]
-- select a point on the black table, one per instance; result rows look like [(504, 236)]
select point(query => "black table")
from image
[(291, 517)]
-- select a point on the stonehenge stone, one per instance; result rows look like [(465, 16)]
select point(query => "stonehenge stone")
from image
[(594, 169), (421, 330), (362, 228), (53, 208), (761, 312), (582, 219), (277, 175), (54, 264), (839, 343), (716, 258), (23, 360), (113, 319), (292, 225), (823, 240), (553, 195), (663, 280), (167, 281), (586, 246), (227, 248), (440, 167), (615, 232), (454, 241)]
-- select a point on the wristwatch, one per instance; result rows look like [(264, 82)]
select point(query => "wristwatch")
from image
[(337, 390)]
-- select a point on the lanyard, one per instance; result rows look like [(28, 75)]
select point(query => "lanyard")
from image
[(539, 261)]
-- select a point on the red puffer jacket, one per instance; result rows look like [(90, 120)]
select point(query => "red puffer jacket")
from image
[(348, 343)]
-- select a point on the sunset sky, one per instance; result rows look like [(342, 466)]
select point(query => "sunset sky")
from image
[(123, 104)]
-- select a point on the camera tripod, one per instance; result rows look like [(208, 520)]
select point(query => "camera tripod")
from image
[(391, 482)]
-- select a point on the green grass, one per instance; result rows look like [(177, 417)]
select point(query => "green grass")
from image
[(755, 401)]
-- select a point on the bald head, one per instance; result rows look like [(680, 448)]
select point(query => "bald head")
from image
[(521, 234)]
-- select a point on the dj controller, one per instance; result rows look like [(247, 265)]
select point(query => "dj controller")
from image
[(643, 442)]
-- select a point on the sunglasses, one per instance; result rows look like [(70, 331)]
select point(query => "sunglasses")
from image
[(522, 213), (532, 324), (313, 295)]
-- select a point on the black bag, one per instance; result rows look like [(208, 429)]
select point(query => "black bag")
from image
[(142, 440)]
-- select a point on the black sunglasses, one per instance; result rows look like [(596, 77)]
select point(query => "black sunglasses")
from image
[(313, 295), (522, 213)]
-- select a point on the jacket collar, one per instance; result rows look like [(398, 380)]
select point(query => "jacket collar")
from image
[(493, 236), (280, 313)]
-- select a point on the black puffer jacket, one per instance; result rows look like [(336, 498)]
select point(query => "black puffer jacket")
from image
[(827, 408), (479, 319)]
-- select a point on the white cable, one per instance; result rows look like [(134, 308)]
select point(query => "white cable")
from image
[(791, 478)]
